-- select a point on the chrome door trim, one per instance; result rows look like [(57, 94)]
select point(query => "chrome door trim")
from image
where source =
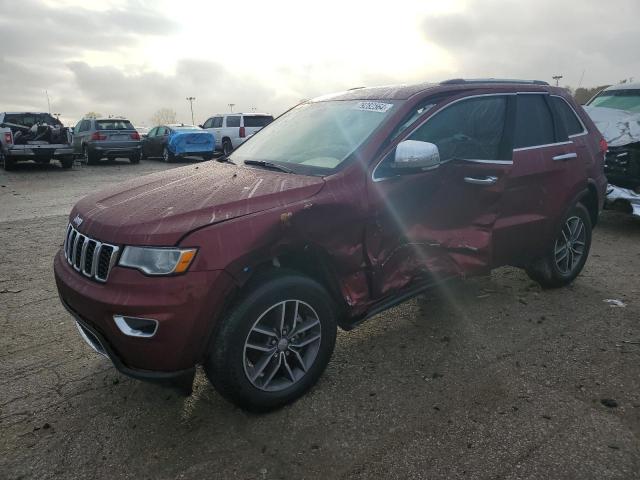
[(566, 156)]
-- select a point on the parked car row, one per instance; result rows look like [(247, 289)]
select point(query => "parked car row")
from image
[(343, 207), (42, 137)]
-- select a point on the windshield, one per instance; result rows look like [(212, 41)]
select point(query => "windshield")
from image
[(320, 135), (620, 99)]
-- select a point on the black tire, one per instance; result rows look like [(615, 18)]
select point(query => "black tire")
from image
[(90, 158), (207, 156), (168, 156), (134, 159), (67, 162), (9, 163), (227, 148), (549, 271), (225, 365)]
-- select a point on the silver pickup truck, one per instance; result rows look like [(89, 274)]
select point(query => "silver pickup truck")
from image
[(33, 136)]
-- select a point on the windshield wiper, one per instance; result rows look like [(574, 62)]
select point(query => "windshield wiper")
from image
[(265, 164)]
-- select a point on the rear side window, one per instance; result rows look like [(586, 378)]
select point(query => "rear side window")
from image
[(534, 123), (470, 129), (114, 125), (572, 124), (257, 120), (233, 121)]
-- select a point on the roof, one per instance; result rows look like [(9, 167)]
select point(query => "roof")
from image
[(403, 92), (29, 113), (240, 113), (106, 119), (623, 86)]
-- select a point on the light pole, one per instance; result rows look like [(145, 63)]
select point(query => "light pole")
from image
[(190, 100), (231, 105), (557, 79)]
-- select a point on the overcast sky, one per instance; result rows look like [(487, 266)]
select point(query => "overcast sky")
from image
[(133, 57)]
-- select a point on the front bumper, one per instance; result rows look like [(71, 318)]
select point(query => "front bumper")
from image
[(624, 198), (185, 307)]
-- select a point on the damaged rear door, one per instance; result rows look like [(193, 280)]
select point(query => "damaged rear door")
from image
[(439, 223)]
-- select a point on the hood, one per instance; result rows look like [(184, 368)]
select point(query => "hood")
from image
[(618, 127), (161, 208)]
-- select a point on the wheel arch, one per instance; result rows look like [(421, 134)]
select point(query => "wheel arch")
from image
[(308, 260), (589, 198)]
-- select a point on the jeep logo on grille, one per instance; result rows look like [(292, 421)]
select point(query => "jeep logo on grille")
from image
[(77, 220)]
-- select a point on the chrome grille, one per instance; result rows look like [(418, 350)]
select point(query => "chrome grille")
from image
[(92, 258)]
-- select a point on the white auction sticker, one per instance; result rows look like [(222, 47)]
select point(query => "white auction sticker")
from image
[(374, 106)]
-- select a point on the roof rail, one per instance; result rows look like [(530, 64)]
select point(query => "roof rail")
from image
[(465, 81)]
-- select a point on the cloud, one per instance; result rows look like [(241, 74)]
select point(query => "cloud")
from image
[(110, 90), (501, 38)]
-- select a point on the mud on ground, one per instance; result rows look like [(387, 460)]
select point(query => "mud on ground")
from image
[(488, 378)]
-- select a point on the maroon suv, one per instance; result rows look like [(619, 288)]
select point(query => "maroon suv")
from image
[(343, 207)]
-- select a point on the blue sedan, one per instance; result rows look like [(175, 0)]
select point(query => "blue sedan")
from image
[(170, 142)]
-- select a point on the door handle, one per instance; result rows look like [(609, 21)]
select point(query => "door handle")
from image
[(481, 181), (566, 156)]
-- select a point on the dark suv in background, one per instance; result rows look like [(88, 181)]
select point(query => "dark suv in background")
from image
[(98, 138), (341, 208)]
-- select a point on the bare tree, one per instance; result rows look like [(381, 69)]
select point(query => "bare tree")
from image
[(164, 116), (92, 115)]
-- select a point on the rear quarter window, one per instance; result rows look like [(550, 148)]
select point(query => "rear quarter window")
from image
[(233, 121), (534, 122), (567, 116), (257, 120)]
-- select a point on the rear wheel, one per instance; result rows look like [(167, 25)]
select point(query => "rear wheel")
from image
[(67, 162), (274, 345), (9, 163), (568, 254), (135, 158), (167, 155), (89, 157), (227, 148)]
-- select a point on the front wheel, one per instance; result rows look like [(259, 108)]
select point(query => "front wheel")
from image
[(274, 345), (567, 256)]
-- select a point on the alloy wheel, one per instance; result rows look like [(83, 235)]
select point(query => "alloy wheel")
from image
[(569, 246), (282, 345)]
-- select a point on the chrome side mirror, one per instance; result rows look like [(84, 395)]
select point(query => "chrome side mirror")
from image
[(414, 154)]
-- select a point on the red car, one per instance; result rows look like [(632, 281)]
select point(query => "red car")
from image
[(343, 207)]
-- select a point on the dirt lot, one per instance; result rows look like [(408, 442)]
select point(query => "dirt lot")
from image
[(488, 378)]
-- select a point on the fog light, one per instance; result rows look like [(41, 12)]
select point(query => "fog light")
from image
[(136, 327)]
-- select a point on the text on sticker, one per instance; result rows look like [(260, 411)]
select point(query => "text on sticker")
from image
[(374, 106)]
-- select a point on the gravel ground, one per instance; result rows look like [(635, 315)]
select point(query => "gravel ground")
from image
[(491, 378)]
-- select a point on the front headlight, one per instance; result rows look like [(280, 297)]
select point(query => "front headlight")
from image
[(157, 261)]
